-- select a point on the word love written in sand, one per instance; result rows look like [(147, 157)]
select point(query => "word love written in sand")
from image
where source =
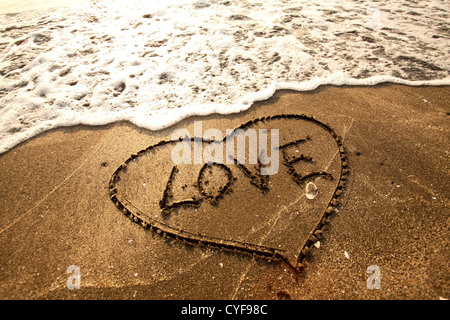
[(233, 206)]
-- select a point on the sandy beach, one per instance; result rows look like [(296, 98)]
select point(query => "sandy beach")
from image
[(356, 209), (57, 210)]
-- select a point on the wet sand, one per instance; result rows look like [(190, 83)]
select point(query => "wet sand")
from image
[(57, 210)]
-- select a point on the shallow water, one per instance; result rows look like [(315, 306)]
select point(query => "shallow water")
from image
[(156, 62)]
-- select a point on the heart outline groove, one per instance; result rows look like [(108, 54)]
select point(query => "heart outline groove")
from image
[(189, 238)]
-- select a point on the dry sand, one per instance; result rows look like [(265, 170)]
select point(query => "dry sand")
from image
[(57, 211)]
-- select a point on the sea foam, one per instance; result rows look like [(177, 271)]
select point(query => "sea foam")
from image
[(156, 62)]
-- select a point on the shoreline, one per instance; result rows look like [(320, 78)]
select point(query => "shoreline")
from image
[(57, 210), (277, 92), (154, 83)]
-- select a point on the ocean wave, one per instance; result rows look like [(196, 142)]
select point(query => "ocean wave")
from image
[(156, 62)]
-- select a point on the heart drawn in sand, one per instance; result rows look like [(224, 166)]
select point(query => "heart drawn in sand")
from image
[(230, 204)]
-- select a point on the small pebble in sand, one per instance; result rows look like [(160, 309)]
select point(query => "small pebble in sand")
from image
[(346, 255), (120, 87), (317, 244), (311, 190)]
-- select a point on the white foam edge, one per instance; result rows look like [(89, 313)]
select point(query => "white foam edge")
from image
[(169, 117)]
